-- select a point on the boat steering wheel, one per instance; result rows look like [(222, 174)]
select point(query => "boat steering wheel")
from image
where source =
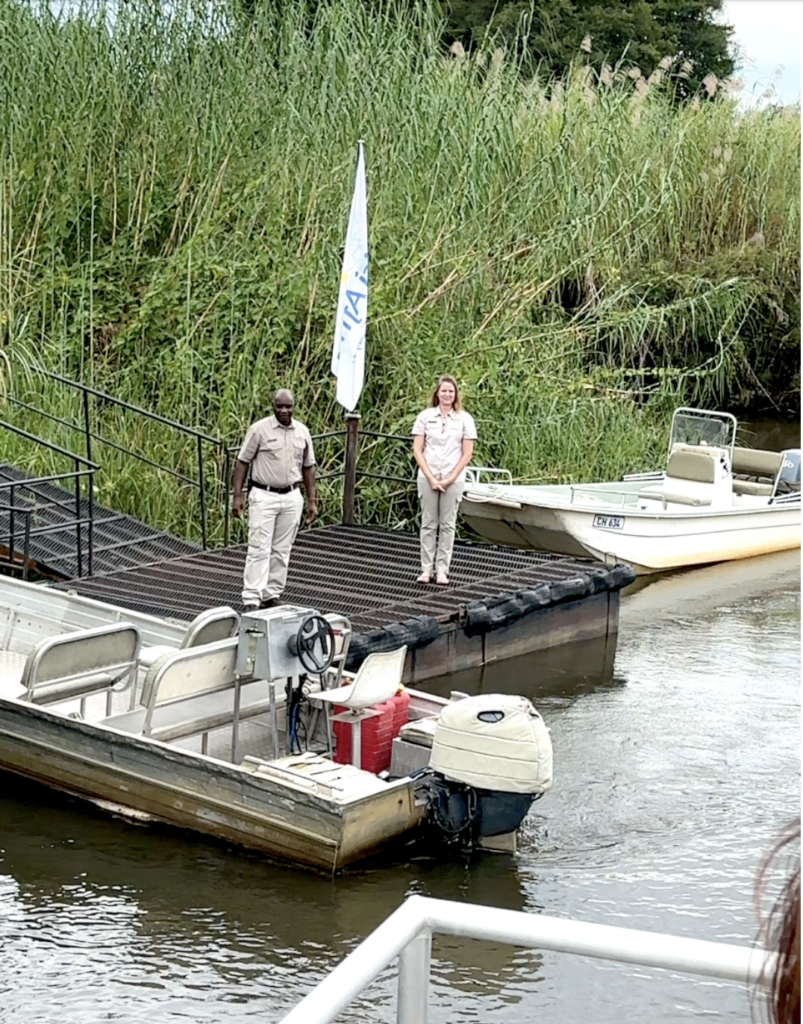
[(315, 643)]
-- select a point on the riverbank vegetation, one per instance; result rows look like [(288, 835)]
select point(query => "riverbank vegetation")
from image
[(583, 253)]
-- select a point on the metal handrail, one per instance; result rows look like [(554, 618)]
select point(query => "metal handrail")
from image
[(388, 437), (77, 474), (224, 452), (386, 476), (89, 435), (408, 932), (131, 408), (231, 450), (26, 542), (49, 444), (583, 489), (6, 485)]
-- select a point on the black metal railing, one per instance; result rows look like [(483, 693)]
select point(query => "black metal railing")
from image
[(10, 558), (209, 487), (350, 460), (350, 471), (90, 435), (69, 515)]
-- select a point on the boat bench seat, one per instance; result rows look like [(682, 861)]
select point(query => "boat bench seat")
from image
[(212, 624), (191, 691), (752, 487), (756, 462), (194, 715), (77, 664), (754, 471)]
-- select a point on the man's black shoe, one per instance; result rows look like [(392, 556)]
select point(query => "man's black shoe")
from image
[(271, 602)]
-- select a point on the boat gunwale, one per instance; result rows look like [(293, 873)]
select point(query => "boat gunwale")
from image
[(608, 508), (193, 759)]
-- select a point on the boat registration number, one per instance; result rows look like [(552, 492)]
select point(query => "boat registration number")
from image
[(609, 522)]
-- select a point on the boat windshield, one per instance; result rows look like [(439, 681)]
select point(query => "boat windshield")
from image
[(698, 426)]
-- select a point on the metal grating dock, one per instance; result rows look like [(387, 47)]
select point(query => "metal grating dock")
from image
[(119, 541), (366, 573)]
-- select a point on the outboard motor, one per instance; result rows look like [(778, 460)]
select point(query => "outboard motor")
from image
[(789, 475), (491, 758)]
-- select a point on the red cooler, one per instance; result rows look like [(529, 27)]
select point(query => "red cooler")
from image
[(378, 733)]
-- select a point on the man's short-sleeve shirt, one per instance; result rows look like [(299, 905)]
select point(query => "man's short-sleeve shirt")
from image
[(443, 437), (277, 454)]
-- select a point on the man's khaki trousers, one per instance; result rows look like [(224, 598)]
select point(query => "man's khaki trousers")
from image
[(273, 521)]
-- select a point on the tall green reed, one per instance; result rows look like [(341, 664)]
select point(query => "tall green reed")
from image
[(174, 188)]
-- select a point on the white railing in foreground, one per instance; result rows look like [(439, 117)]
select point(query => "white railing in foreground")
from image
[(407, 933)]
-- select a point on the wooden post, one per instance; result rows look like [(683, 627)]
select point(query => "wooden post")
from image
[(350, 485)]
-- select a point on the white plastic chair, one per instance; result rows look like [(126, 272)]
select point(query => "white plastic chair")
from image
[(376, 681)]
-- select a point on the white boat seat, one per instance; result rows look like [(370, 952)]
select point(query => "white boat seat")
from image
[(752, 487), (207, 627), (377, 680), (759, 467), (691, 474), (190, 692), (687, 463), (756, 462), (78, 664)]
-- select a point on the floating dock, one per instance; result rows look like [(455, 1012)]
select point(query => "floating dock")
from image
[(502, 602)]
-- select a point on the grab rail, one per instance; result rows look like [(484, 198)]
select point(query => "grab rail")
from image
[(473, 474), (408, 932), (580, 489)]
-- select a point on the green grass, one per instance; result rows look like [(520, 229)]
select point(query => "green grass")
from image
[(174, 189)]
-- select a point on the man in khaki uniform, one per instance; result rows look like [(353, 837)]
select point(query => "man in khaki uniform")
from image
[(279, 451)]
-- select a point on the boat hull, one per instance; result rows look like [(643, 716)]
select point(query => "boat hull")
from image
[(649, 542), (192, 791)]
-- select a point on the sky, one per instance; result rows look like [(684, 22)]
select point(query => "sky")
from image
[(768, 33)]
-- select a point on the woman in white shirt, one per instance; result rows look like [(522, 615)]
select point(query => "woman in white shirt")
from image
[(443, 444)]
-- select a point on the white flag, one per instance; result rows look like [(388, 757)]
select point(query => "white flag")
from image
[(348, 353)]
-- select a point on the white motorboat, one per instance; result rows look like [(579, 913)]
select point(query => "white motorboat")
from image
[(159, 721), (714, 502)]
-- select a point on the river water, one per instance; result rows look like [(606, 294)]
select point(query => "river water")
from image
[(677, 759)]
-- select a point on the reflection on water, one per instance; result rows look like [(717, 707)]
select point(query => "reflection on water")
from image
[(570, 670), (675, 765)]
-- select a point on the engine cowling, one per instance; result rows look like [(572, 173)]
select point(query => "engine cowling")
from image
[(497, 742), (491, 758)]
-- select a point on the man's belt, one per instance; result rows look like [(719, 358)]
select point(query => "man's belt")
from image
[(273, 490)]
